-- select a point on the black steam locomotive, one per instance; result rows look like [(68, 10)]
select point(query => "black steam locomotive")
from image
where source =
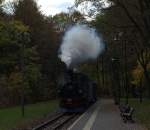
[(76, 92)]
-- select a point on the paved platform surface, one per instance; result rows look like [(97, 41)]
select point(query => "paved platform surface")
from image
[(103, 115)]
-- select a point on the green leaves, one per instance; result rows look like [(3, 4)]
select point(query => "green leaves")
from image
[(12, 35), (18, 61)]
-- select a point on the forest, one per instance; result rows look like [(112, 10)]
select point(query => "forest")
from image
[(30, 41)]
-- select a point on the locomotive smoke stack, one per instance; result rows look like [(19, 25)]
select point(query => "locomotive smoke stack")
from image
[(71, 71), (80, 43)]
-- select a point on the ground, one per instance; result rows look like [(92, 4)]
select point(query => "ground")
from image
[(142, 111), (104, 115), (11, 117)]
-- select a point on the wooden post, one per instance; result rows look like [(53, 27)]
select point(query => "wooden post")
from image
[(126, 73), (23, 80), (98, 76)]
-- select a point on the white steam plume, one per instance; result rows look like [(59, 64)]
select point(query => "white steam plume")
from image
[(80, 44)]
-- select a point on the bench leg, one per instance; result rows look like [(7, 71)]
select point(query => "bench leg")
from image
[(131, 120), (124, 119), (127, 118)]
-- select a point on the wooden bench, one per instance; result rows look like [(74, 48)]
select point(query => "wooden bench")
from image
[(126, 113)]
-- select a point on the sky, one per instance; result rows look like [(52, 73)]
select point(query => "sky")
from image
[(52, 7)]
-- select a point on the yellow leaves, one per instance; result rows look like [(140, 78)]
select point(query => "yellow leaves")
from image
[(14, 25), (11, 32), (19, 26), (15, 78), (15, 81), (138, 74)]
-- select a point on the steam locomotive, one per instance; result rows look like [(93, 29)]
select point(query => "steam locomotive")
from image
[(76, 92)]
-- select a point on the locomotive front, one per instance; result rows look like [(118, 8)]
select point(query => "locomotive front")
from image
[(72, 92)]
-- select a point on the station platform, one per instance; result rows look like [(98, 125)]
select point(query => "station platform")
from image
[(103, 115)]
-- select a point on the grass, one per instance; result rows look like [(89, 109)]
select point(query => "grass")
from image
[(142, 111), (10, 117)]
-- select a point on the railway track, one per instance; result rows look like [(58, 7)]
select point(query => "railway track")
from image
[(55, 123)]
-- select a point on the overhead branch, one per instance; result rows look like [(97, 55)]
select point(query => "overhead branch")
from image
[(144, 18), (147, 3), (118, 26), (131, 18)]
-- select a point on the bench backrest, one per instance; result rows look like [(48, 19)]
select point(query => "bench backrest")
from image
[(131, 111)]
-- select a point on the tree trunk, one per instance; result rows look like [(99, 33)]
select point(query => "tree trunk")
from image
[(147, 79), (141, 91)]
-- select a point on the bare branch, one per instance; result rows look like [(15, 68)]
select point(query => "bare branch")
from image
[(143, 16), (131, 18)]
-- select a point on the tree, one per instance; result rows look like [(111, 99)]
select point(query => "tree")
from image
[(61, 21), (1, 1), (133, 21), (64, 20), (43, 38), (138, 80), (137, 13), (1, 9), (14, 35)]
